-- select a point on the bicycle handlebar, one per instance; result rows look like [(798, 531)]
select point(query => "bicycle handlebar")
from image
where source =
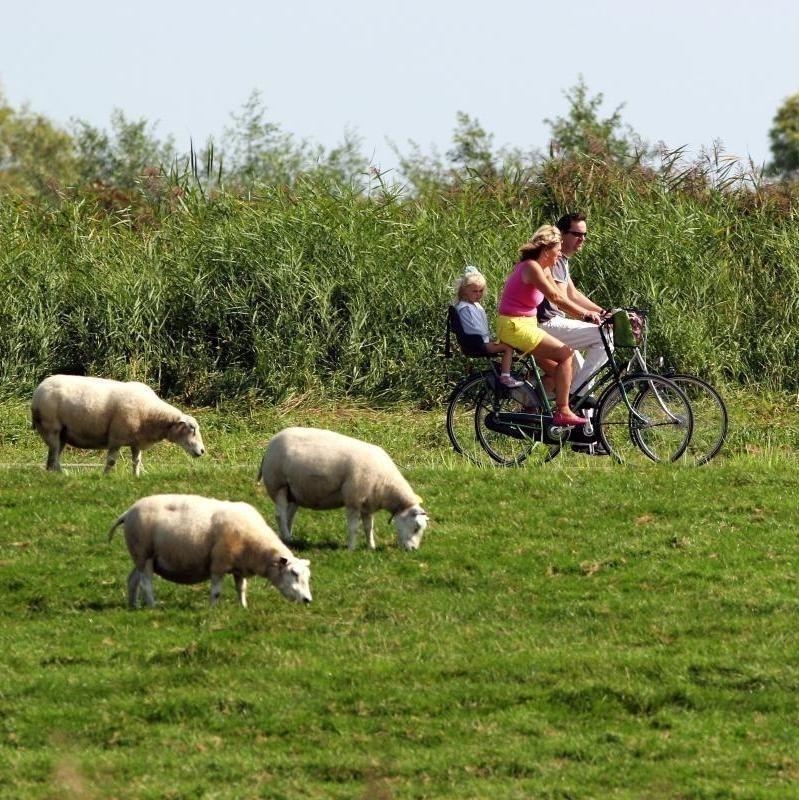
[(641, 312)]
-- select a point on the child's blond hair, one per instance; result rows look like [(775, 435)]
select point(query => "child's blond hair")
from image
[(471, 276)]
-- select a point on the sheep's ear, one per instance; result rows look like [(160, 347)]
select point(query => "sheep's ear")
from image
[(282, 561), (178, 428)]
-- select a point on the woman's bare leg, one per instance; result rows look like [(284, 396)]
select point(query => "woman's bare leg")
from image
[(548, 367), (555, 351)]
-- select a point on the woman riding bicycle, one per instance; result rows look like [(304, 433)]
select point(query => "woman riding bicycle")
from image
[(525, 289)]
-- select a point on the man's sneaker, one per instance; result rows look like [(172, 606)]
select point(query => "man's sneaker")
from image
[(509, 382), (590, 449)]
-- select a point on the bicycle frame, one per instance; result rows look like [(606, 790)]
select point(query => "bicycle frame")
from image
[(526, 424), (611, 372), (606, 376)]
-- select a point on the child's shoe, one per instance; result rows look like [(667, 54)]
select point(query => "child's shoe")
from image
[(509, 382)]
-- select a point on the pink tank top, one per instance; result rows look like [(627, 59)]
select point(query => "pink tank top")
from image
[(519, 299)]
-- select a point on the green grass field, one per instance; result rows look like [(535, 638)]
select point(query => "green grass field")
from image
[(578, 630)]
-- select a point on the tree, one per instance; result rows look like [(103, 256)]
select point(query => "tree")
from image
[(472, 147), (36, 157), (121, 158), (259, 151), (471, 155), (584, 132), (784, 136)]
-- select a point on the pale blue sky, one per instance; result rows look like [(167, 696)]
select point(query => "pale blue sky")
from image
[(688, 73)]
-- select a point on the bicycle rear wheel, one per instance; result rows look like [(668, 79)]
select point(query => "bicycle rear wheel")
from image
[(711, 421), (461, 410), (644, 415), (508, 432)]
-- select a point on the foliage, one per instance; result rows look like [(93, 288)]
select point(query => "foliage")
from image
[(340, 291), (472, 148), (120, 158), (35, 156), (583, 132), (784, 137), (292, 272), (471, 157), (259, 152)]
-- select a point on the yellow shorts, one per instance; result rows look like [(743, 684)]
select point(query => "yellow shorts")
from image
[(522, 333)]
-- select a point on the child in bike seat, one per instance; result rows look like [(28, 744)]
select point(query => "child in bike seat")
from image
[(468, 290)]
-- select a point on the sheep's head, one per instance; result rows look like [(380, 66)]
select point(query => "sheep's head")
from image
[(186, 433), (293, 579), (410, 525)]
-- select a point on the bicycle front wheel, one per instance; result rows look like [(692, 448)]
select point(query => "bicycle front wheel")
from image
[(711, 421), (644, 415)]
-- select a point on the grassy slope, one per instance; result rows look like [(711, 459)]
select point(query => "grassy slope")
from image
[(639, 644)]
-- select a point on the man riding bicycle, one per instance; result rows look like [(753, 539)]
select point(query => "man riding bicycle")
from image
[(576, 333)]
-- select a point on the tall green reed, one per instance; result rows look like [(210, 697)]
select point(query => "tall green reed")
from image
[(333, 291)]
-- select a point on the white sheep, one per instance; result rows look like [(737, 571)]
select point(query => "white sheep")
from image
[(186, 538), (321, 469), (97, 413)]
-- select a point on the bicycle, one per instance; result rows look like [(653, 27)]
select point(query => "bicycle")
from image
[(636, 412), (711, 420)]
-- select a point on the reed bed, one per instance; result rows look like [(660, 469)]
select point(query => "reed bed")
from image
[(340, 292)]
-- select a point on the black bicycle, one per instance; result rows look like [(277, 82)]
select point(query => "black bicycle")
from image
[(633, 414)]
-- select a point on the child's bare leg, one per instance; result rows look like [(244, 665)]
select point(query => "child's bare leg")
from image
[(507, 361)]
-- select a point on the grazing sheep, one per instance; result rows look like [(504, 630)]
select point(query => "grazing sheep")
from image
[(186, 538), (97, 413), (321, 469)]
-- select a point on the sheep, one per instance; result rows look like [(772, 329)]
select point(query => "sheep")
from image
[(186, 538), (321, 469), (98, 413)]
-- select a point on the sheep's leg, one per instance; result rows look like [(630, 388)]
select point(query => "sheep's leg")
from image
[(368, 522), (147, 583), (285, 513), (133, 587), (216, 587), (111, 459), (54, 447), (135, 455), (291, 510), (53, 463), (241, 589), (353, 523)]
